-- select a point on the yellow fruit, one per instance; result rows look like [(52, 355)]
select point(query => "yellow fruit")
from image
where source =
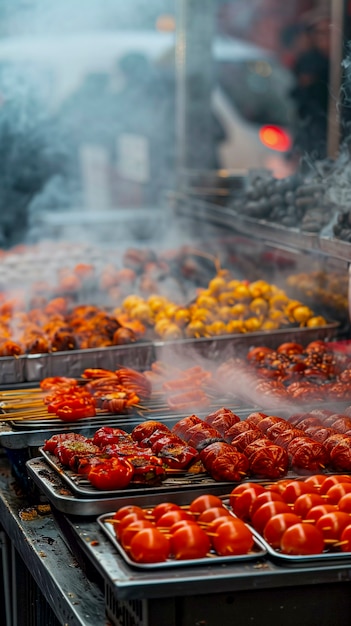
[(235, 326), (195, 328), (217, 328), (203, 315), (301, 314), (317, 320), (161, 326), (259, 306), (252, 324), (224, 313), (172, 332), (156, 302), (206, 301), (131, 301), (217, 284), (239, 310), (142, 313), (226, 297), (182, 317), (260, 289), (279, 301), (242, 293)]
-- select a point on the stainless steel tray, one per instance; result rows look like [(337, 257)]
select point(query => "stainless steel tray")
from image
[(257, 552), (138, 355), (188, 206), (82, 488), (301, 560), (59, 494), (227, 346)]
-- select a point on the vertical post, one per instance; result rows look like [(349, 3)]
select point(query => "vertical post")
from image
[(194, 84), (337, 17)]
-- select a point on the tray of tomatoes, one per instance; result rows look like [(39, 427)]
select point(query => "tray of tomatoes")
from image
[(172, 535), (299, 521)]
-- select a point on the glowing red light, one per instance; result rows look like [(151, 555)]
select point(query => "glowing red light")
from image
[(275, 138)]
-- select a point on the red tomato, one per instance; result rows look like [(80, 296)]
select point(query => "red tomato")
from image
[(149, 545), (171, 517), (316, 480), (112, 474), (301, 539), (277, 525), (305, 502), (190, 542), (280, 485), (333, 480), (126, 521), (296, 488), (241, 503), (345, 539), (243, 486), (164, 507), (332, 524), (127, 533), (337, 491), (232, 537), (267, 496), (128, 508), (321, 509), (208, 516), (265, 512), (204, 502), (181, 524), (344, 503)]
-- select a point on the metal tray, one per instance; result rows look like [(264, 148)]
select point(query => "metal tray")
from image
[(258, 551), (59, 494), (228, 346), (301, 560), (82, 488), (138, 355), (12, 370), (188, 206)]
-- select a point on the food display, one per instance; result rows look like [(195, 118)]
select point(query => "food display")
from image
[(170, 534), (299, 519), (226, 306), (290, 373)]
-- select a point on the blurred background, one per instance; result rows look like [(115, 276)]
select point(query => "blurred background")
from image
[(103, 105)]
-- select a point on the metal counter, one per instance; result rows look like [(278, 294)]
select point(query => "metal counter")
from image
[(81, 589), (37, 545)]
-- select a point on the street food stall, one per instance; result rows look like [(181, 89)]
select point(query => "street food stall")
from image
[(196, 382)]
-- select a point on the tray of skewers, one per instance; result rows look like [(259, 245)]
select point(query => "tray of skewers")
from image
[(169, 535)]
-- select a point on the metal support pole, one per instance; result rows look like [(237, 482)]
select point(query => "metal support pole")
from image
[(337, 17), (194, 81)]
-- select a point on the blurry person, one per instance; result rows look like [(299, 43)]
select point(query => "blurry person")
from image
[(311, 93), (30, 151)]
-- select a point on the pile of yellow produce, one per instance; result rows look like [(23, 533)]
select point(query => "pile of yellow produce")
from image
[(226, 306)]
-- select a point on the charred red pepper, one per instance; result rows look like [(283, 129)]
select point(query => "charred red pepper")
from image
[(111, 474)]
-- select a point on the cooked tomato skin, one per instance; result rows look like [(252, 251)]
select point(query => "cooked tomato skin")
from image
[(164, 507), (171, 517), (242, 502), (211, 514), (232, 537), (112, 474), (302, 539), (346, 539), (129, 531), (190, 542), (305, 502), (277, 525), (332, 524), (149, 545), (263, 514), (204, 502)]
